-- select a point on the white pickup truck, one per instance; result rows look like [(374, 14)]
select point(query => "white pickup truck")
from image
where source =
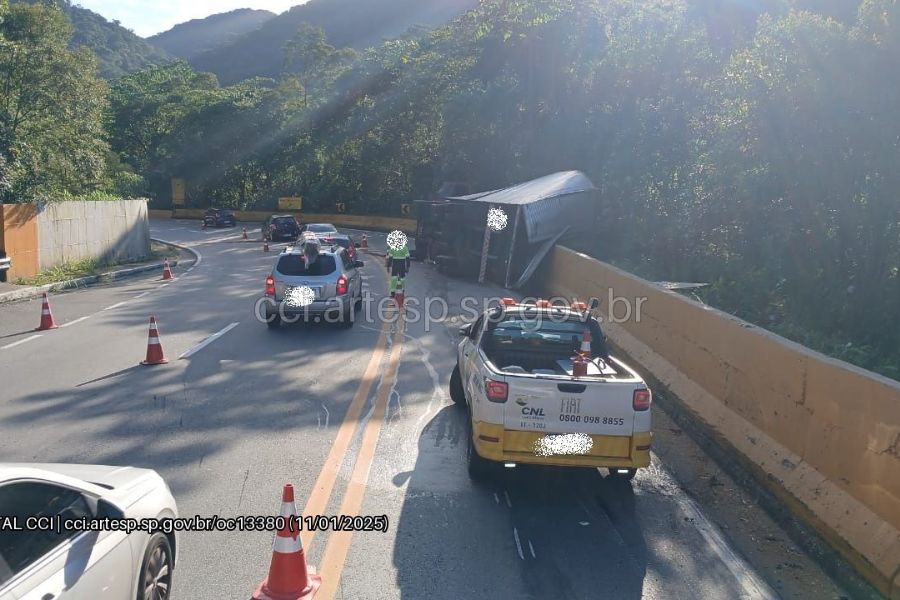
[(514, 372)]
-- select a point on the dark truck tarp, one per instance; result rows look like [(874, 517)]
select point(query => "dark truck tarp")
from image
[(549, 204)]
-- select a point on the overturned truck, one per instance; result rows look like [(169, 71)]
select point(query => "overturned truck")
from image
[(453, 231)]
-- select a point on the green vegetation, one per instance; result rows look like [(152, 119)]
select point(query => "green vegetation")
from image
[(346, 23), (88, 267), (194, 37), (118, 50), (753, 148)]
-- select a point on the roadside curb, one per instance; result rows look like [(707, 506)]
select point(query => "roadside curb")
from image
[(36, 291)]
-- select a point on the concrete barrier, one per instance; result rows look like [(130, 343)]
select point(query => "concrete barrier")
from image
[(159, 214), (823, 435), (367, 222), (115, 230)]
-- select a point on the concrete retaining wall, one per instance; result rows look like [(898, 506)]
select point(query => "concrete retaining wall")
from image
[(116, 230), (19, 239), (822, 434)]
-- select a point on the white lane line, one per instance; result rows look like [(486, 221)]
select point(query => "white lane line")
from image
[(530, 547), (518, 543), (208, 341), (75, 321), (141, 295), (496, 498), (508, 503), (115, 306), (327, 414), (754, 587), (20, 342), (228, 251)]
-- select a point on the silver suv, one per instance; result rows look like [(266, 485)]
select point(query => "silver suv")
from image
[(305, 282)]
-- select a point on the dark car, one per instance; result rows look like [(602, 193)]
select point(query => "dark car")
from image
[(280, 227), (343, 240), (219, 217)]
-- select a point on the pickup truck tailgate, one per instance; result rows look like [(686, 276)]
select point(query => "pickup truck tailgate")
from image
[(544, 405)]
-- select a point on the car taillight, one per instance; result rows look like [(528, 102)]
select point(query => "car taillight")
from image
[(270, 286), (496, 390), (341, 286), (641, 400)]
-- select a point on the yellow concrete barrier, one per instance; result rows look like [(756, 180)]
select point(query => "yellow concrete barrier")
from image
[(159, 214), (821, 434), (366, 222)]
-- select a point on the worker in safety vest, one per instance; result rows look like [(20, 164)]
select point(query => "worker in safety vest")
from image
[(398, 263)]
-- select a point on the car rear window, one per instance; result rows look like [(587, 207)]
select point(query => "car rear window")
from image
[(534, 334), (283, 221), (294, 265), (320, 228)]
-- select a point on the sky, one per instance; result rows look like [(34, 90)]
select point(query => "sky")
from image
[(146, 17)]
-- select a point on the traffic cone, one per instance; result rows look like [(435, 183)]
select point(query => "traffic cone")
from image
[(586, 344), (583, 357), (365, 242), (204, 224), (245, 234), (47, 321), (266, 246), (167, 272), (154, 348), (289, 577)]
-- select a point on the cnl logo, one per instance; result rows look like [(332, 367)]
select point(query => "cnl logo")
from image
[(529, 411)]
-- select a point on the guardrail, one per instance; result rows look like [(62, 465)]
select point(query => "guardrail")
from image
[(5, 264)]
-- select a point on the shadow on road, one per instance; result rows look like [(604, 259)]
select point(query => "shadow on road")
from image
[(529, 533)]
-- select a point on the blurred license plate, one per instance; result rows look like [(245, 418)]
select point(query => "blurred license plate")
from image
[(295, 296)]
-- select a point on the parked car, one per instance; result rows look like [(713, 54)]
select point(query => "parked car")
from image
[(219, 217), (344, 241), (300, 288), (319, 229), (515, 373), (280, 227), (82, 564)]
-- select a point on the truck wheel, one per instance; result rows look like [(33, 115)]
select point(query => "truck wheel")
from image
[(627, 476), (457, 394), (273, 321), (479, 468)]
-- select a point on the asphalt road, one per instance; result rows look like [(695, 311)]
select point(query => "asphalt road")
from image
[(360, 422)]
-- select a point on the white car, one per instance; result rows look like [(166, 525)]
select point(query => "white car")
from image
[(60, 564), (515, 373)]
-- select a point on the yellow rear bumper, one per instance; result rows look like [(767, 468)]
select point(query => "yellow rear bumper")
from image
[(495, 443)]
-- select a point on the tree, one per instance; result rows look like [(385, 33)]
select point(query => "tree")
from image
[(51, 107)]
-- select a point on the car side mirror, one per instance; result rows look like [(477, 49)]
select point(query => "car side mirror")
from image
[(359, 264), (356, 245), (595, 302), (466, 330), (106, 509)]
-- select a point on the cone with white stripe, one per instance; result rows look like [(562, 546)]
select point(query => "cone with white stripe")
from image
[(582, 358), (365, 241), (155, 354), (167, 271), (47, 321), (289, 577), (245, 234), (586, 344)]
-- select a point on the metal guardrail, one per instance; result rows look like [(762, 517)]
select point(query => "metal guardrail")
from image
[(5, 264)]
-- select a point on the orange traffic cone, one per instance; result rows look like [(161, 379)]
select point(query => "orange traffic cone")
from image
[(167, 272), (586, 344), (289, 577), (266, 246), (583, 357), (365, 242), (47, 321), (155, 354), (204, 224), (245, 234)]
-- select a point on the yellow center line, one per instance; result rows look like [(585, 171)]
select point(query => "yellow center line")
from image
[(321, 492), (339, 542)]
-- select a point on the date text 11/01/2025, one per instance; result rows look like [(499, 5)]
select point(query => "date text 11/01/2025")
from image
[(58, 524)]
